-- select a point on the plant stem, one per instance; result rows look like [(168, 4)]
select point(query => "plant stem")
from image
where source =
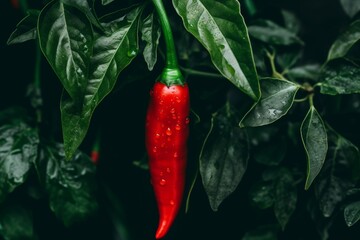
[(171, 74), (311, 100), (275, 73)]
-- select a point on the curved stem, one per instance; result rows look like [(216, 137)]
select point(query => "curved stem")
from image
[(171, 74)]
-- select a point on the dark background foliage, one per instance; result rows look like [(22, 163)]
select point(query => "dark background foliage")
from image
[(127, 208)]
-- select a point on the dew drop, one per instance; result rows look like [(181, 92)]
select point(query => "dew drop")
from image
[(168, 170), (157, 135), (162, 182), (161, 173), (187, 120), (132, 53), (178, 99), (154, 149), (168, 132), (172, 110), (173, 116), (176, 155), (177, 127), (172, 203)]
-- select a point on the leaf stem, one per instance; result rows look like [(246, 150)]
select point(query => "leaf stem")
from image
[(301, 99), (190, 191), (311, 99)]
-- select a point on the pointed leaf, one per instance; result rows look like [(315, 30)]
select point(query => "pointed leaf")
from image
[(150, 34), (314, 138), (351, 7), (221, 29), (18, 149), (25, 29), (345, 41), (276, 100), (340, 77), (339, 173), (70, 184), (352, 213), (271, 33), (224, 156), (66, 39)]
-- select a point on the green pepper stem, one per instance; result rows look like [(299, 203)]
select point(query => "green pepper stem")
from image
[(171, 74)]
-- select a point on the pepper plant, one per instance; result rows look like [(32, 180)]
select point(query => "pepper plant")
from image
[(209, 119)]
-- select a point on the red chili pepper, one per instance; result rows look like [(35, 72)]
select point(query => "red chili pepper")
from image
[(94, 156), (167, 131)]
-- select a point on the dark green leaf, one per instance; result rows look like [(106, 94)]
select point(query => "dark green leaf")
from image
[(266, 232), (262, 194), (18, 149), (339, 173), (351, 7), (224, 156), (150, 34), (70, 184), (221, 29), (340, 77), (285, 198), (106, 2), (86, 7), (25, 29), (309, 71), (66, 40), (276, 100), (16, 222), (271, 33), (314, 138), (345, 41), (291, 22), (352, 213), (87, 65)]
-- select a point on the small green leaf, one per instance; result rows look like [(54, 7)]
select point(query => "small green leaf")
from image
[(16, 222), (151, 32), (224, 156), (276, 100), (345, 41), (271, 33), (25, 29), (285, 197), (314, 138), (262, 194), (340, 77), (351, 7), (352, 213), (221, 29), (339, 173), (70, 184), (308, 71), (18, 149)]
